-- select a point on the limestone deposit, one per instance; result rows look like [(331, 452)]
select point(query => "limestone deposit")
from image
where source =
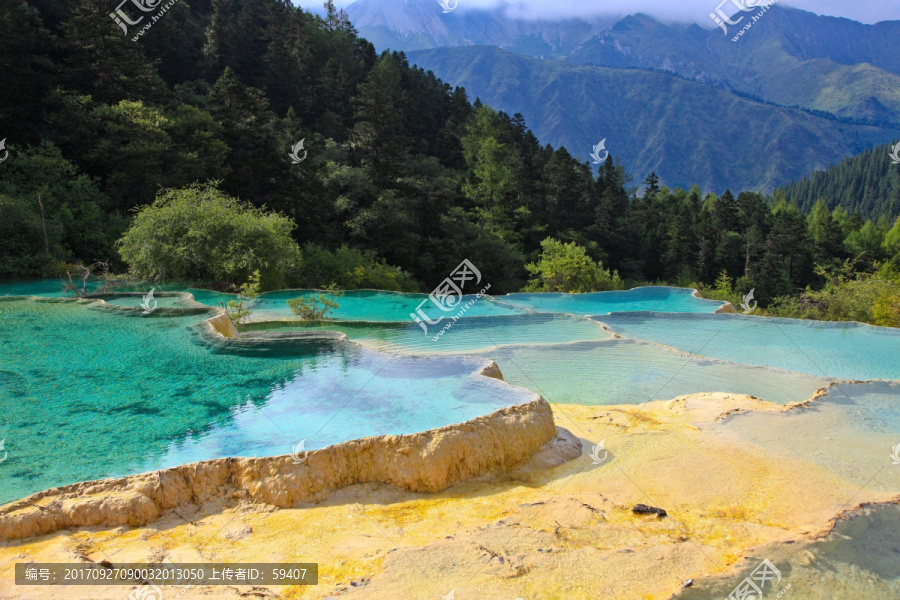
[(548, 529), (429, 461)]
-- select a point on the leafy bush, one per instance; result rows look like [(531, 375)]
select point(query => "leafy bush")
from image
[(237, 309), (315, 307), (723, 289), (567, 268), (349, 268), (198, 233), (847, 296)]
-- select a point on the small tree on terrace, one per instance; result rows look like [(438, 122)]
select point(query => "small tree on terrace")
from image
[(198, 233), (568, 269)]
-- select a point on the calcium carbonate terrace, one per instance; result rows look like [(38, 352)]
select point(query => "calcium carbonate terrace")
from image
[(118, 392)]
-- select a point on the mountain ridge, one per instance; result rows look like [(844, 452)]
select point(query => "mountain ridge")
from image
[(790, 60), (654, 122), (421, 24)]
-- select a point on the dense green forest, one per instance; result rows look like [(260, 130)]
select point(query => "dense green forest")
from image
[(403, 176), (867, 184)]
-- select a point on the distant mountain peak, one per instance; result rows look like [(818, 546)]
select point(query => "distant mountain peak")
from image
[(420, 24)]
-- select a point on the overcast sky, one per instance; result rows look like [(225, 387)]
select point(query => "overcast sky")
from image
[(867, 11)]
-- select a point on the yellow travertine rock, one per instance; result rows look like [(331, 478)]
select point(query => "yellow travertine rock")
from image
[(552, 527)]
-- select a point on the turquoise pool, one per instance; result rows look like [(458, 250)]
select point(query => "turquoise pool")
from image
[(370, 305), (838, 350), (90, 391), (659, 299), (367, 305), (467, 335), (53, 288)]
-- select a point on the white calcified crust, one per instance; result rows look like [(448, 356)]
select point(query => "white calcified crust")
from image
[(430, 461)]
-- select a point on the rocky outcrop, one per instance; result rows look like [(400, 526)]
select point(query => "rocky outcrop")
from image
[(430, 461), (492, 370), (222, 325)]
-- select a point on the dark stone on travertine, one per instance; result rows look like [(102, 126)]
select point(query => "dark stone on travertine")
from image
[(643, 509)]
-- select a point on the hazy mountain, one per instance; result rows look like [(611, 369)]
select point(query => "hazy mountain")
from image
[(789, 57), (686, 131), (682, 99), (419, 24)]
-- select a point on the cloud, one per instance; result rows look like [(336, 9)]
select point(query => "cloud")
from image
[(697, 11)]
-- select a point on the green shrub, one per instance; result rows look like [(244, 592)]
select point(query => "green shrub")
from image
[(198, 233), (568, 269), (315, 307), (349, 268), (22, 239), (723, 289), (237, 309), (847, 296)]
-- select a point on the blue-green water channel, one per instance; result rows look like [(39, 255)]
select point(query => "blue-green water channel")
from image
[(88, 391)]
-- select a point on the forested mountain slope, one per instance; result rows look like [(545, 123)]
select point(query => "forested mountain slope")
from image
[(395, 165), (867, 184), (687, 132)]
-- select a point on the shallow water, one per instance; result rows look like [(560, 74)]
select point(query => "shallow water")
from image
[(371, 305), (660, 299), (89, 393), (850, 431), (859, 560), (839, 350), (632, 372), (114, 391), (53, 288), (466, 335)]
